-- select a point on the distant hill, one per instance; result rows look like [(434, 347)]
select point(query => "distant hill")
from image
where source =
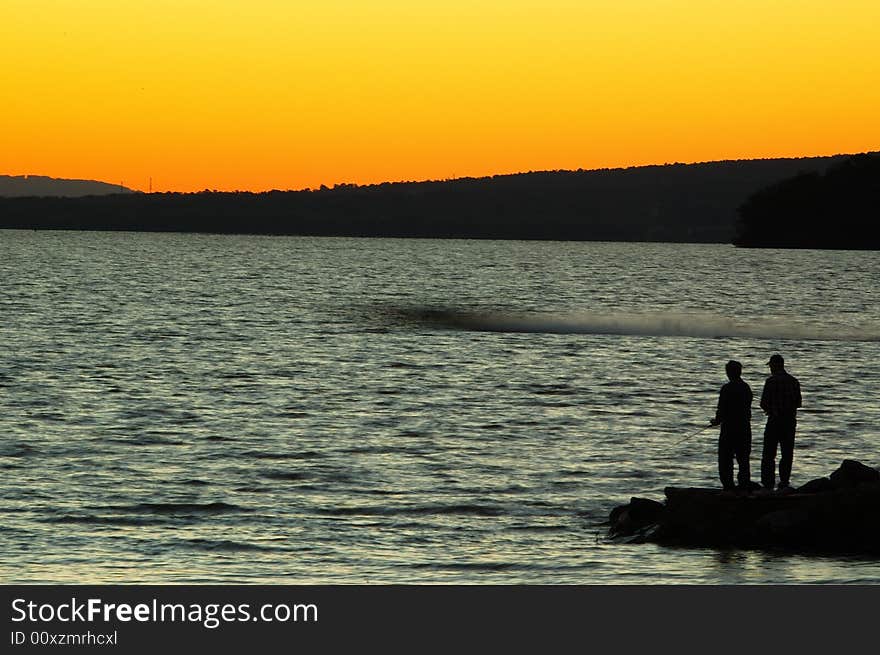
[(17, 186), (672, 202), (834, 209)]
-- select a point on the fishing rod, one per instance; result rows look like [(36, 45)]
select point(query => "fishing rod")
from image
[(694, 434)]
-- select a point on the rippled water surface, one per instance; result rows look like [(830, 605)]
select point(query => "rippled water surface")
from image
[(193, 408)]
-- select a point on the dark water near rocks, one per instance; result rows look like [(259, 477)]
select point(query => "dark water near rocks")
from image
[(193, 408)]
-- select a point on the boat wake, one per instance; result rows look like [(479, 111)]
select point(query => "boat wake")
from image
[(660, 324)]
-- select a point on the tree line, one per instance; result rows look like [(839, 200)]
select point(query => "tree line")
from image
[(673, 202), (834, 209)]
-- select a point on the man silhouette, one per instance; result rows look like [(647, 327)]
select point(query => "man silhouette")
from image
[(779, 400), (734, 415)]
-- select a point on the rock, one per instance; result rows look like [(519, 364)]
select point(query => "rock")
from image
[(817, 486), (616, 514), (644, 510), (640, 513), (836, 514), (852, 473), (785, 526)]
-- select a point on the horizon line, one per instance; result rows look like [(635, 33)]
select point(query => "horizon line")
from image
[(322, 186)]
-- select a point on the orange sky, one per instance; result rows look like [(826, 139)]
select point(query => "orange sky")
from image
[(262, 94)]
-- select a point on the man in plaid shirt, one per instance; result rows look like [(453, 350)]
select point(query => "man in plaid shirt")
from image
[(780, 401)]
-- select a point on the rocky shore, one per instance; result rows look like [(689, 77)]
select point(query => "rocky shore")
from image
[(840, 513)]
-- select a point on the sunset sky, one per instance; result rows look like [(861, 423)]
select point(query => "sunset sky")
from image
[(262, 94)]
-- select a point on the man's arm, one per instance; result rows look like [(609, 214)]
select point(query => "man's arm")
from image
[(765, 397), (719, 413)]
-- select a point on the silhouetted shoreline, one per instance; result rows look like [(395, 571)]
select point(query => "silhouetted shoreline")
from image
[(688, 203)]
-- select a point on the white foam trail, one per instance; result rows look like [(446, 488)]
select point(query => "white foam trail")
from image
[(672, 325)]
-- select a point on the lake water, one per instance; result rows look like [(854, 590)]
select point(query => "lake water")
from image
[(236, 409)]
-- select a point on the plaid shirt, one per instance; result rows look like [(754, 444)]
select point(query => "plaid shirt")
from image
[(781, 396)]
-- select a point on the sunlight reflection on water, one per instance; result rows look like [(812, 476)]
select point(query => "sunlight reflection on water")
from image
[(194, 408)]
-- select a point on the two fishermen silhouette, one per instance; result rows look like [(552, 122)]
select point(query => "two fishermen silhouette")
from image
[(780, 399)]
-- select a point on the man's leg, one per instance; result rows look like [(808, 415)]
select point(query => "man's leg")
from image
[(744, 469), (786, 447), (725, 463)]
